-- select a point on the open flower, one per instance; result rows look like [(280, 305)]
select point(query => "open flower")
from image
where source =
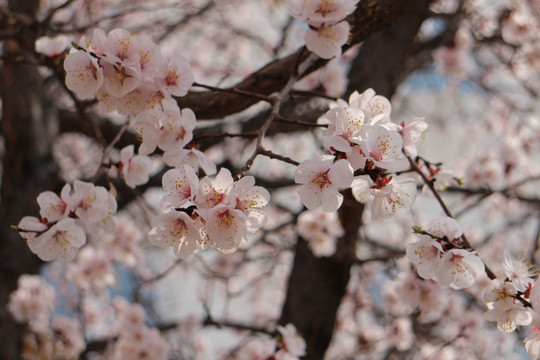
[(520, 273), (61, 240), (84, 76), (175, 77), (383, 147), (503, 306), (291, 343), (322, 178), (459, 269), (52, 207), (396, 193), (182, 186), (176, 229), (135, 169), (52, 46), (225, 226), (426, 255), (532, 344), (319, 12), (327, 41)]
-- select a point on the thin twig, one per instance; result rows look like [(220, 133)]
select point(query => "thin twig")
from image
[(429, 184)]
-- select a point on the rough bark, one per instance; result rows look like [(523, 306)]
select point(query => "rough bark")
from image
[(369, 17), (23, 164), (317, 285)]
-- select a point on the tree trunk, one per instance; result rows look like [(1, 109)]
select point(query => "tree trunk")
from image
[(317, 285), (23, 163)]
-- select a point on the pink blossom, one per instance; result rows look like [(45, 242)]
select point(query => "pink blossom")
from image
[(69, 338), (177, 130), (123, 244), (459, 269), (251, 200), (333, 78), (84, 75), (520, 25), (120, 79), (456, 60), (106, 102), (146, 97), (377, 108), (192, 157), (326, 41), (357, 158), (166, 127), (147, 344), (150, 56), (95, 44), (52, 46), (181, 184), (534, 295), (520, 273), (317, 13), (322, 179), (444, 226), (130, 316), (397, 193), (292, 343), (52, 207), (426, 255), (383, 147), (136, 340), (121, 48), (176, 229), (214, 192), (175, 77), (411, 133), (32, 302), (92, 270), (362, 188), (93, 205), (321, 230), (225, 226), (503, 306), (442, 180), (61, 240), (401, 334), (532, 344), (135, 169), (344, 128), (258, 349)]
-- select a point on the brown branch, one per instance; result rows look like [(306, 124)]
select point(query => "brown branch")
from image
[(369, 17), (466, 244)]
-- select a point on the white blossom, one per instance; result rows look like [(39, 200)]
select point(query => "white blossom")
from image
[(322, 179), (459, 269)]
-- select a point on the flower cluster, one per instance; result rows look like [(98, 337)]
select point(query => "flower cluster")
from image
[(125, 72), (52, 337), (66, 220), (135, 339), (365, 142), (291, 345), (321, 230), (439, 255), (33, 302), (203, 212), (327, 32), (129, 74), (288, 345)]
